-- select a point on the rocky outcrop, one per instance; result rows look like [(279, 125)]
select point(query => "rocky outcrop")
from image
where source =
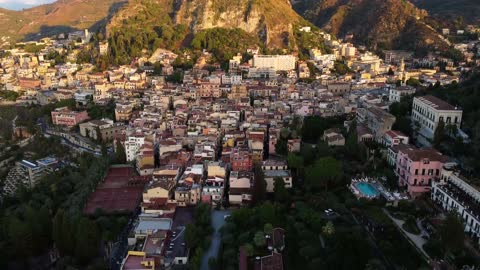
[(271, 20)]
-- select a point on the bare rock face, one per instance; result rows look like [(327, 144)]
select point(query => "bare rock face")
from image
[(271, 20)]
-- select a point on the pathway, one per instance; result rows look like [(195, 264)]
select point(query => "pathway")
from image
[(417, 240), (218, 221)]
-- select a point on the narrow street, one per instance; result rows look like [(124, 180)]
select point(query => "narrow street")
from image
[(218, 221)]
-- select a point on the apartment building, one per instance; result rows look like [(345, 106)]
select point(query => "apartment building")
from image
[(104, 129), (123, 112), (276, 62), (241, 159), (27, 173), (395, 94), (376, 120), (428, 111), (418, 168), (453, 192), (66, 117)]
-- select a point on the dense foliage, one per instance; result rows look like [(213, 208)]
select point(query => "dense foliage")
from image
[(50, 215), (145, 31), (214, 40), (197, 234)]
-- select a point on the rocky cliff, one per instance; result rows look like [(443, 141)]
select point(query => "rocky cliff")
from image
[(271, 20)]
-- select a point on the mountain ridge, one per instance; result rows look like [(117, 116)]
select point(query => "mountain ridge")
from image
[(55, 18), (379, 24)]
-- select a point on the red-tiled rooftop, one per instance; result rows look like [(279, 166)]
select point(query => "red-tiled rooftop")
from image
[(120, 191), (420, 154)]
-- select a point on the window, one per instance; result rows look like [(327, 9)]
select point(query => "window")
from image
[(449, 120), (423, 171), (416, 171), (437, 172)]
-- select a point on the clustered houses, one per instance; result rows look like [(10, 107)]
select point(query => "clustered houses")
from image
[(200, 140)]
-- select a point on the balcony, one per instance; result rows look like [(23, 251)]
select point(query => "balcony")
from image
[(471, 205)]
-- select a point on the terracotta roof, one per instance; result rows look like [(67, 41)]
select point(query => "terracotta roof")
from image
[(437, 103), (420, 154)]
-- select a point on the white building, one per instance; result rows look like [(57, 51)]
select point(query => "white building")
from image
[(395, 94), (133, 143), (276, 62), (276, 169), (428, 111), (453, 193), (393, 137), (103, 48), (232, 79)]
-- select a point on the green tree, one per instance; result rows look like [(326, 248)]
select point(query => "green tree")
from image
[(328, 229), (324, 171), (196, 259), (279, 190), (375, 264), (452, 233), (120, 155), (439, 134), (249, 249), (259, 239), (268, 228), (63, 233), (295, 162), (259, 185), (87, 240)]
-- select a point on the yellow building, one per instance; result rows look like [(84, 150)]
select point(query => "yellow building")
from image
[(137, 260)]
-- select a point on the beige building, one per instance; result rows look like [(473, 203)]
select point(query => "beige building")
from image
[(107, 128), (241, 183), (276, 62), (238, 92), (333, 137), (186, 196), (376, 120)]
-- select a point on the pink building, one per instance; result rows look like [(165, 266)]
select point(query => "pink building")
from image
[(417, 168), (65, 117), (272, 142), (241, 160)]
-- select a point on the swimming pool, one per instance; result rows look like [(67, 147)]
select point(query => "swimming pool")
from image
[(367, 189)]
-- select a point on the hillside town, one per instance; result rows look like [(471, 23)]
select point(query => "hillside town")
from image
[(223, 137)]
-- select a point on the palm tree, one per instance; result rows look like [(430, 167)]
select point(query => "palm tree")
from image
[(328, 229)]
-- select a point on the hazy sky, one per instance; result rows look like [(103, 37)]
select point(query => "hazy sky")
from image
[(19, 4)]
